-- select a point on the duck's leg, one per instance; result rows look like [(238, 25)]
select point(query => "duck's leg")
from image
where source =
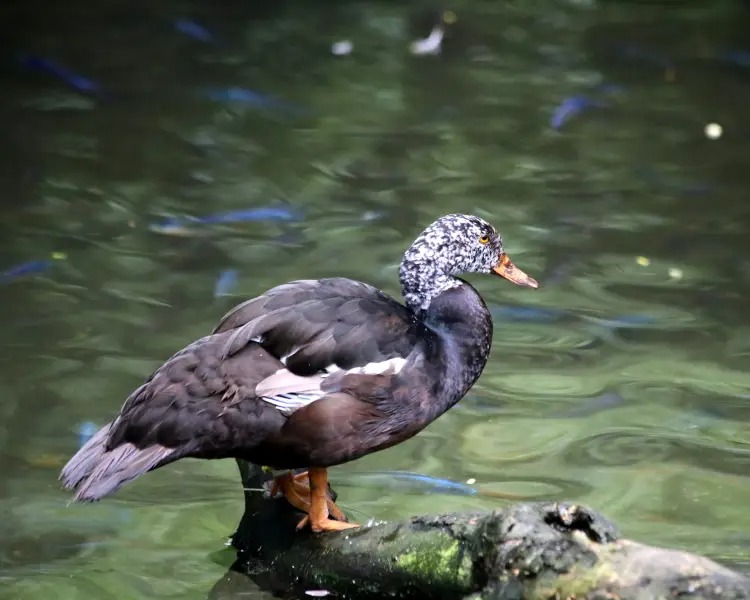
[(318, 515), (297, 492), (302, 483)]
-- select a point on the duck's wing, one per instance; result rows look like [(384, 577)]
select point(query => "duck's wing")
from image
[(224, 394), (316, 325), (317, 328)]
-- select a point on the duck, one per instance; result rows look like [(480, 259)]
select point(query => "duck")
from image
[(312, 374)]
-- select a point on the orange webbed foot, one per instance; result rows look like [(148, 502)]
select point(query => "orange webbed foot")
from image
[(324, 524), (295, 488)]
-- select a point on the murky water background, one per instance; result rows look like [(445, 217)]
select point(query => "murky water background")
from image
[(623, 383)]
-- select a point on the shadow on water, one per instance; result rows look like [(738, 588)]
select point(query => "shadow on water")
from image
[(153, 153)]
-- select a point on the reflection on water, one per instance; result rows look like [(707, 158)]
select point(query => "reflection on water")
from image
[(163, 162)]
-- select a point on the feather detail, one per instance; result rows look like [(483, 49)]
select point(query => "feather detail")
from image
[(231, 394), (289, 392)]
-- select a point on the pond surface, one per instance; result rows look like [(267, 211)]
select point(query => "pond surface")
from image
[(622, 383)]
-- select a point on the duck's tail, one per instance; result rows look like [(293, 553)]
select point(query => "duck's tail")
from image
[(94, 471)]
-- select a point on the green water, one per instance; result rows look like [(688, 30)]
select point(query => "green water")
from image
[(632, 395)]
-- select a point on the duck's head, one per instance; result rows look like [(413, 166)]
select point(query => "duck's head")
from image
[(452, 245)]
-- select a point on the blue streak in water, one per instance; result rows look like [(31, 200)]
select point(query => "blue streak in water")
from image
[(225, 283), (194, 30), (27, 268), (74, 80), (86, 431), (253, 98), (268, 213), (569, 108), (416, 481)]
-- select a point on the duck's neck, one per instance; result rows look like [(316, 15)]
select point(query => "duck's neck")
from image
[(459, 319), (423, 280)]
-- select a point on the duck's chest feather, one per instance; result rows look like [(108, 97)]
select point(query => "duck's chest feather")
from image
[(462, 328)]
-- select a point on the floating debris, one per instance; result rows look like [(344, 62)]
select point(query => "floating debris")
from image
[(318, 593), (713, 131), (643, 261), (183, 225), (225, 283), (674, 273), (431, 44), (72, 79), (471, 481), (342, 48), (194, 30), (30, 267)]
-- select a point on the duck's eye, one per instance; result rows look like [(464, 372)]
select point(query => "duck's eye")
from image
[(484, 239)]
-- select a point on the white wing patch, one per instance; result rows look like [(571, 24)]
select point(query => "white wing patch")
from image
[(289, 392), (393, 365)]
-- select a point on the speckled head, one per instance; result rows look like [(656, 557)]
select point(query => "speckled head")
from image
[(452, 245)]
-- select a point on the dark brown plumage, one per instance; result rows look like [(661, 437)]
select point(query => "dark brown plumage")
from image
[(312, 374)]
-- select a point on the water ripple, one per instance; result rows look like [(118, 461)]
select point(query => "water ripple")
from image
[(618, 448), (548, 337), (631, 446), (493, 441)]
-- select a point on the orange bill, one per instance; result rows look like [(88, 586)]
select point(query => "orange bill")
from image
[(505, 268)]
